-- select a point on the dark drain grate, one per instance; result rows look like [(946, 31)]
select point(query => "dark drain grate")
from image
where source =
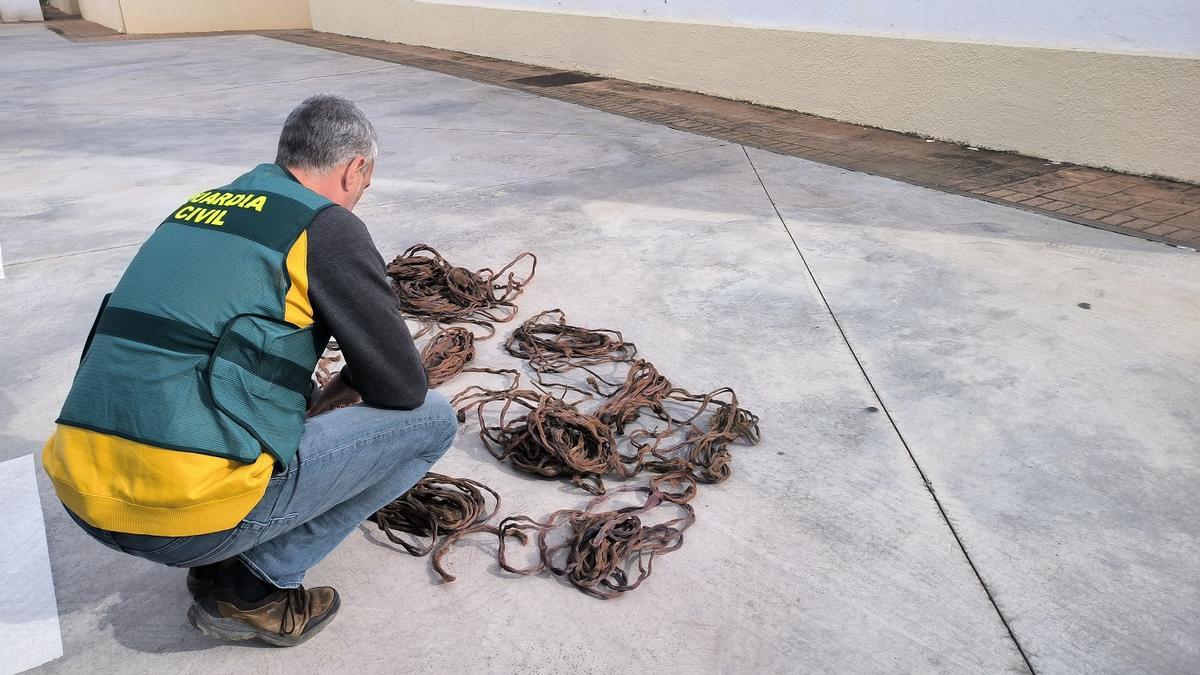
[(557, 79)]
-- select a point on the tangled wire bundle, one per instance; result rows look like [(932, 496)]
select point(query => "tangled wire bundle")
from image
[(555, 438), (447, 354), (703, 450), (601, 549), (551, 345), (552, 439), (434, 291), (438, 505), (644, 387)]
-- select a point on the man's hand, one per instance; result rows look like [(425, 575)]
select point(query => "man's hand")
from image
[(336, 394)]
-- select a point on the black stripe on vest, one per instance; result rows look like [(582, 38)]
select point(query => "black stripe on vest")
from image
[(176, 336), (156, 331)]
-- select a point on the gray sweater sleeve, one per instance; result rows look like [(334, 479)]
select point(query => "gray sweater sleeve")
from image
[(353, 301)]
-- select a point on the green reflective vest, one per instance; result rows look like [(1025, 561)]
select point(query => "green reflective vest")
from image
[(191, 351)]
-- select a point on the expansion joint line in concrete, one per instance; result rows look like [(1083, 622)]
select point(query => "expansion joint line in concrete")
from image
[(72, 254), (883, 406)]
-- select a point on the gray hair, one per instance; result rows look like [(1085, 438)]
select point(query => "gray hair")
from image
[(324, 132)]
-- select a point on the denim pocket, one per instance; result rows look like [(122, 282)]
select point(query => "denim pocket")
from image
[(247, 535), (205, 549), (270, 528)]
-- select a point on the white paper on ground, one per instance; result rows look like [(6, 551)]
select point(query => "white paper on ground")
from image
[(29, 631), (20, 10)]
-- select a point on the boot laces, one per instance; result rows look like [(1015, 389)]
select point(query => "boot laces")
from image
[(294, 610)]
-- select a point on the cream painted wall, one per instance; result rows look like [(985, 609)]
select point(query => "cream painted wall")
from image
[(1130, 112), (103, 12), (189, 16), (1155, 27)]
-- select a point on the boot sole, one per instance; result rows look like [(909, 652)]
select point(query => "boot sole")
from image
[(219, 628)]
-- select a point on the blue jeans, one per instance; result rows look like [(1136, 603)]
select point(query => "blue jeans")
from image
[(351, 462)]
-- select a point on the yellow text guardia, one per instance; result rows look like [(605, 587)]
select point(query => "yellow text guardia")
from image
[(213, 216)]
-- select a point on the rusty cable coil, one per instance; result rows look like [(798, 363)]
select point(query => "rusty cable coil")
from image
[(600, 550), (447, 354), (552, 438), (551, 345), (438, 506), (644, 387), (436, 292), (697, 443), (703, 450)]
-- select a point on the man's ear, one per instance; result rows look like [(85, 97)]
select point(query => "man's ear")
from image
[(355, 166)]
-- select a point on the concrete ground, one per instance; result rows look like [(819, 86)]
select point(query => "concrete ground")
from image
[(979, 424)]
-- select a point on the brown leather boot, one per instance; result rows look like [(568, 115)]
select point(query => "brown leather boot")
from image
[(284, 618)]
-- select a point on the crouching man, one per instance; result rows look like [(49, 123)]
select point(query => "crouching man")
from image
[(184, 438)]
